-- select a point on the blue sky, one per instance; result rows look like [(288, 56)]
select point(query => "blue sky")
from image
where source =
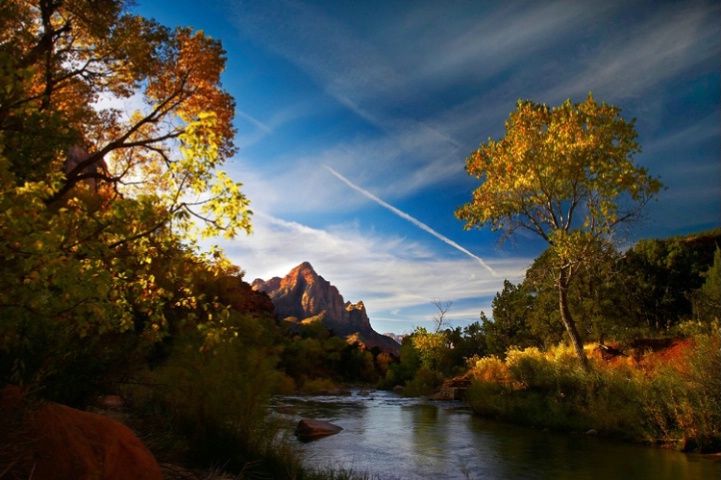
[(354, 120)]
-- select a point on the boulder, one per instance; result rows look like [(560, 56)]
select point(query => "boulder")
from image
[(309, 429), (52, 441), (453, 389)]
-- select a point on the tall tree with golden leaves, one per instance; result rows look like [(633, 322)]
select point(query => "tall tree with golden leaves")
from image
[(565, 174)]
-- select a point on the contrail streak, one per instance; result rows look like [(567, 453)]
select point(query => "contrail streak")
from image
[(414, 221)]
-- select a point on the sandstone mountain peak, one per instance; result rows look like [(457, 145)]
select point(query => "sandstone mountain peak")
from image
[(302, 294)]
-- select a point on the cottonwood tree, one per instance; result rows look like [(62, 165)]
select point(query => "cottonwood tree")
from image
[(112, 132), (66, 65), (565, 174)]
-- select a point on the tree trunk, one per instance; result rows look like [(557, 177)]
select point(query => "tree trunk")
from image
[(567, 319)]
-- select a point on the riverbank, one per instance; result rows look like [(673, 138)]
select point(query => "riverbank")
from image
[(669, 397)]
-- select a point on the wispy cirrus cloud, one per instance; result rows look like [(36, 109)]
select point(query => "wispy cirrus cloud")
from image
[(675, 39)]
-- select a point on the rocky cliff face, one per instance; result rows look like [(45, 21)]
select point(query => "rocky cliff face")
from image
[(303, 294)]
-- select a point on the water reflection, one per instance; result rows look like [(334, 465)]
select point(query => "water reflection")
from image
[(398, 438)]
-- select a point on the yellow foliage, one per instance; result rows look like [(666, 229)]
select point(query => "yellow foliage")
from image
[(490, 369)]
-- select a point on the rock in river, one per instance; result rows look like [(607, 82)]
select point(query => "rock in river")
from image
[(309, 429)]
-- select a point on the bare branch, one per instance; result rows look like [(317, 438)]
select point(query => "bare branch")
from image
[(439, 320)]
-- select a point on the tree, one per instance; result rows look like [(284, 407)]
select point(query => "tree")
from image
[(566, 174), (94, 198), (70, 59), (662, 276), (439, 320), (707, 299), (431, 348), (511, 312), (597, 298)]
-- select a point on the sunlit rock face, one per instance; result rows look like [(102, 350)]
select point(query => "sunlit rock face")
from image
[(303, 294)]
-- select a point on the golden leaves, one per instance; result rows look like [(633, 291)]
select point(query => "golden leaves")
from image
[(96, 260), (565, 167)]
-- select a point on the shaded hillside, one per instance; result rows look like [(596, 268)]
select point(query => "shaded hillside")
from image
[(303, 294)]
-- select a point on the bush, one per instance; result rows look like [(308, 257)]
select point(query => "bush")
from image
[(489, 369), (211, 404), (317, 386), (684, 398), (425, 382)]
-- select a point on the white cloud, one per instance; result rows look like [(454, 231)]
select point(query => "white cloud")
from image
[(388, 273)]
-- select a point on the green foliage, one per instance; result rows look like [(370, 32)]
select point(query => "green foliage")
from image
[(707, 299), (511, 313), (661, 278), (431, 348), (464, 343), (424, 382), (213, 400), (94, 202), (597, 298), (315, 360), (404, 370)]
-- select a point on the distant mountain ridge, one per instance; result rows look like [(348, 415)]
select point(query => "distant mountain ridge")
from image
[(302, 294)]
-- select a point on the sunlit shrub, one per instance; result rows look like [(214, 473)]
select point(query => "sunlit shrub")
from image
[(488, 398), (489, 369), (660, 398), (608, 399), (704, 392), (530, 368), (684, 398)]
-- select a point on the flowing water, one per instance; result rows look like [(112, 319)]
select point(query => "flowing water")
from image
[(391, 437)]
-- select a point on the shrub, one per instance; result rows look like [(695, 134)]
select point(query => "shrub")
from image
[(211, 404), (489, 369), (684, 398), (530, 368), (318, 385), (425, 382)]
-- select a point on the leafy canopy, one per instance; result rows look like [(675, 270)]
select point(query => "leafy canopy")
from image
[(143, 105), (559, 170), (113, 130)]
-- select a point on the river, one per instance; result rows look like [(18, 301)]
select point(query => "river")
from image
[(391, 437)]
